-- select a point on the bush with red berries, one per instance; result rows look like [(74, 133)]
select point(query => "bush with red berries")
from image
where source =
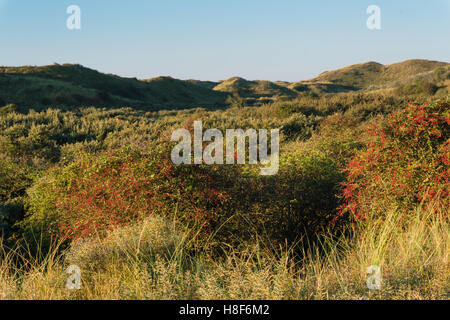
[(406, 163), (99, 193)]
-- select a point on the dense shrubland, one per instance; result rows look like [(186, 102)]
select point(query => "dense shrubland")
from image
[(96, 187)]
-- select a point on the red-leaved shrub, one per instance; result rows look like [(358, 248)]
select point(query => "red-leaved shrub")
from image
[(99, 193), (405, 163)]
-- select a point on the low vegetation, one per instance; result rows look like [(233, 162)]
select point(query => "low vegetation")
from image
[(363, 181)]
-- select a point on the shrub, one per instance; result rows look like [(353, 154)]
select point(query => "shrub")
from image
[(9, 108), (99, 193), (298, 126), (14, 180), (406, 163), (287, 109), (418, 87), (339, 137), (303, 196), (297, 203), (235, 101), (10, 213)]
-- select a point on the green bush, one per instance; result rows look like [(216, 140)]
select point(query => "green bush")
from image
[(9, 108), (297, 203), (10, 213), (14, 180), (298, 126), (418, 88), (339, 136), (302, 198)]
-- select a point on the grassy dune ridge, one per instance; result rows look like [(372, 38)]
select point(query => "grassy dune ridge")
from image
[(75, 85)]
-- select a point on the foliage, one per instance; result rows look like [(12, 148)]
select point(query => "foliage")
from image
[(406, 162), (97, 194), (9, 108), (11, 212), (418, 87), (301, 199), (14, 180)]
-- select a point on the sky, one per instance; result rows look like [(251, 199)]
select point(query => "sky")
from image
[(287, 40)]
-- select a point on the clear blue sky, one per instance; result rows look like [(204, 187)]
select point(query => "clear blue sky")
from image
[(215, 39)]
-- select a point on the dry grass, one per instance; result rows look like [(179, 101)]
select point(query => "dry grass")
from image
[(148, 261)]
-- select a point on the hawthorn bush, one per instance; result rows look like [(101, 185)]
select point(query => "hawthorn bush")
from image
[(406, 163), (100, 193)]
